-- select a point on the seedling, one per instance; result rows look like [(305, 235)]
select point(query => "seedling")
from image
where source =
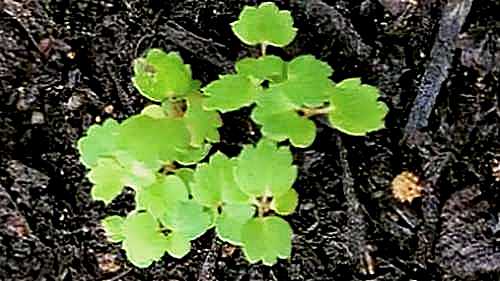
[(246, 192), (158, 152), (294, 90)]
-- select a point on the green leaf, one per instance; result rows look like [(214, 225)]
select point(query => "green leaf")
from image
[(162, 196), (229, 93), (356, 109), (154, 111), (113, 226), (99, 142), (270, 68), (152, 141), (286, 203), (187, 176), (202, 124), (188, 218), (230, 223), (178, 245), (214, 183), (264, 24), (108, 180), (280, 120), (265, 170), (267, 239), (110, 176), (143, 243), (160, 75), (192, 155), (308, 83), (138, 175)]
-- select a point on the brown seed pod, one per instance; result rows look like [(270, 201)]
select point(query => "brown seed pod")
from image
[(406, 187)]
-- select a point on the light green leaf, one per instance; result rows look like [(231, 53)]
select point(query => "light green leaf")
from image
[(160, 75), (356, 109), (201, 123), (265, 170), (137, 175), (113, 226), (264, 24), (178, 245), (270, 68), (280, 120), (162, 196), (107, 178), (99, 142), (193, 155), (152, 141), (308, 83), (286, 203), (267, 239), (188, 218), (230, 223), (187, 176), (154, 111), (143, 243), (229, 93), (214, 183)]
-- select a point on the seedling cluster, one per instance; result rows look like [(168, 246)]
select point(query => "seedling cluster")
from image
[(245, 197)]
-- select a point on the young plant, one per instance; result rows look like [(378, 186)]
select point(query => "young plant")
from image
[(286, 94), (157, 152), (143, 152), (246, 193)]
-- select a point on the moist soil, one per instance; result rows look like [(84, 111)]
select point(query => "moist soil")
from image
[(65, 65)]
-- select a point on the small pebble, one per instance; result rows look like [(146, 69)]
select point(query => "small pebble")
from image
[(37, 118), (74, 102)]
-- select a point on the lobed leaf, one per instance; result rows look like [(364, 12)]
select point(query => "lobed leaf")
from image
[(229, 223), (356, 109), (113, 226), (286, 203), (99, 142), (159, 75), (159, 141), (189, 219), (264, 24), (202, 124), (192, 155), (229, 93), (266, 68), (267, 239), (162, 196), (214, 183), (177, 245), (307, 83), (280, 120), (143, 242), (108, 179), (265, 170)]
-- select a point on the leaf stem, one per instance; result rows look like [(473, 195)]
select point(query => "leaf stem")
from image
[(263, 49), (309, 112)]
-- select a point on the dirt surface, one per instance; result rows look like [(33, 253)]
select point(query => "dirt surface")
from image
[(64, 63)]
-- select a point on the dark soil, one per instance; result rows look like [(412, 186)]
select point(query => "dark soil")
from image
[(63, 63)]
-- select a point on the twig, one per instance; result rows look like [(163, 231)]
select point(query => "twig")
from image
[(453, 17), (356, 225), (114, 278)]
